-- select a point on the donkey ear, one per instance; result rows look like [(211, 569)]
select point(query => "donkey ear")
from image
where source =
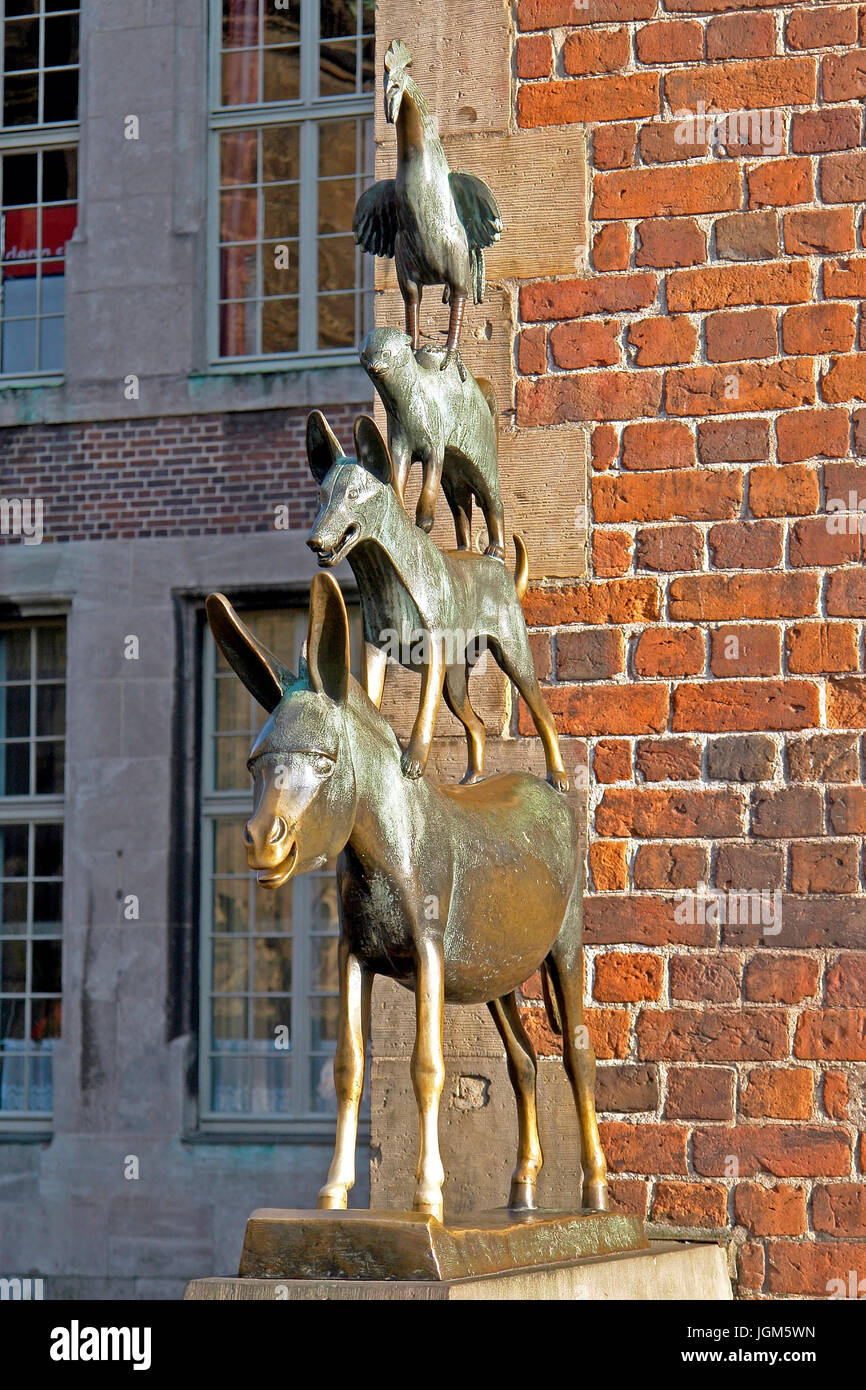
[(328, 639), (323, 446), (264, 677), (371, 449)]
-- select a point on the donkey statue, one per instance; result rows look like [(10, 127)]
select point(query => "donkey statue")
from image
[(457, 892)]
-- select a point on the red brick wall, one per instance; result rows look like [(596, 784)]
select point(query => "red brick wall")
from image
[(188, 475), (713, 343)]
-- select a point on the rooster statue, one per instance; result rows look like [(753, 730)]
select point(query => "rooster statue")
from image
[(434, 223)]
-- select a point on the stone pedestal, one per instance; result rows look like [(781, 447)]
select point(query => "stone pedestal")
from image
[(501, 1255), (663, 1272)]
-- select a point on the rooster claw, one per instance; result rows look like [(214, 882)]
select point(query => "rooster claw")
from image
[(452, 355)]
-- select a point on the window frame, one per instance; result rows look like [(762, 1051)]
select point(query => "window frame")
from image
[(29, 139), (215, 805), (39, 809), (308, 113)]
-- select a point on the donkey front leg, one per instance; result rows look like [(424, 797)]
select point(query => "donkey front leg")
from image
[(428, 1074), (414, 759), (353, 1030)]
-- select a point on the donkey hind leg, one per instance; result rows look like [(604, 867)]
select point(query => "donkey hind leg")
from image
[(428, 1073), (457, 699), (459, 498), (563, 964), (523, 1074), (518, 666), (352, 1034), (375, 666)]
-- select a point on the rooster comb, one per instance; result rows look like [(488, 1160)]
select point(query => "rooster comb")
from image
[(398, 57)]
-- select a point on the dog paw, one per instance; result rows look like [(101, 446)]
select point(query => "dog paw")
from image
[(412, 767), (559, 780)]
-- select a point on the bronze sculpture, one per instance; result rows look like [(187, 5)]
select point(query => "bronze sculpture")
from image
[(445, 421), (453, 599), (434, 223), (433, 883)]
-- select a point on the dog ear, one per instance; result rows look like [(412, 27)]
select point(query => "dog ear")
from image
[(371, 449), (328, 639), (264, 676), (323, 446)]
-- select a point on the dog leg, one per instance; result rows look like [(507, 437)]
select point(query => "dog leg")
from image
[(414, 759), (457, 700)]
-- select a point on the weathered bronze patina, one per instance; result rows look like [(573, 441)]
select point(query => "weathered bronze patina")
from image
[(447, 422), (457, 892), (434, 610), (434, 223), (410, 1245)]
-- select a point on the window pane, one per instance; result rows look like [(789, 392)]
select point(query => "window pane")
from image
[(13, 909), (231, 904), (13, 967), (12, 1020), (240, 23), (13, 851), (19, 346), (61, 41), (48, 851), (336, 321), (60, 95), (238, 157), (21, 45), (268, 1016), (14, 1093), (272, 964), (59, 175), (338, 18), (240, 78), (282, 74), (231, 754), (281, 212), (280, 325), (16, 770), (230, 965), (273, 911), (45, 967), (50, 709), (281, 154), (45, 1015), (280, 268), (230, 856), (47, 908), (338, 68), (52, 339), (49, 768), (324, 964), (20, 173), (229, 1019), (232, 704), (15, 715), (21, 100), (324, 1014), (283, 25), (50, 653), (322, 1093)]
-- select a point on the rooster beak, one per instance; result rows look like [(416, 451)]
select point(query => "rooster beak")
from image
[(393, 98)]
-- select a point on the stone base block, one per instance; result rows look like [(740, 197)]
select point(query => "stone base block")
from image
[(664, 1272)]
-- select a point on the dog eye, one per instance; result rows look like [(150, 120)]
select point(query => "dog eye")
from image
[(353, 494)]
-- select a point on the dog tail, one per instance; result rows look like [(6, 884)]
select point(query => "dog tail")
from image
[(521, 569), (550, 1002), (487, 391)]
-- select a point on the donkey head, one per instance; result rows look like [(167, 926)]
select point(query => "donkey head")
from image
[(301, 762), (353, 490)]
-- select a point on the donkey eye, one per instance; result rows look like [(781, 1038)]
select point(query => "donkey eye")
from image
[(322, 765)]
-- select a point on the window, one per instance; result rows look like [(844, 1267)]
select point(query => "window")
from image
[(292, 138), (38, 180), (32, 728), (268, 958)]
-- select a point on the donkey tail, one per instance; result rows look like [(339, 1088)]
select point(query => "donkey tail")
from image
[(550, 1001), (487, 391), (521, 569)]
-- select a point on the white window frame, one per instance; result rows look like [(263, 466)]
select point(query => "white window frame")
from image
[(27, 139), (214, 806), (34, 810), (308, 111)]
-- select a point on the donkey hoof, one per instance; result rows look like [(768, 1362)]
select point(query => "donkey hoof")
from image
[(559, 780), (330, 1199), (496, 551), (412, 767), (436, 1209), (470, 777), (522, 1196), (595, 1196)]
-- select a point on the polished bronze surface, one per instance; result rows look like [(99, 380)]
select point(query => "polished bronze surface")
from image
[(445, 421), (408, 1245), (459, 893), (433, 611), (434, 223)]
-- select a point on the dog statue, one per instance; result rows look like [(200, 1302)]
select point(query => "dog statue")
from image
[(404, 578)]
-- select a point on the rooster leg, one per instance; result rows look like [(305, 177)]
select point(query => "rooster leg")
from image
[(411, 306), (455, 323)]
